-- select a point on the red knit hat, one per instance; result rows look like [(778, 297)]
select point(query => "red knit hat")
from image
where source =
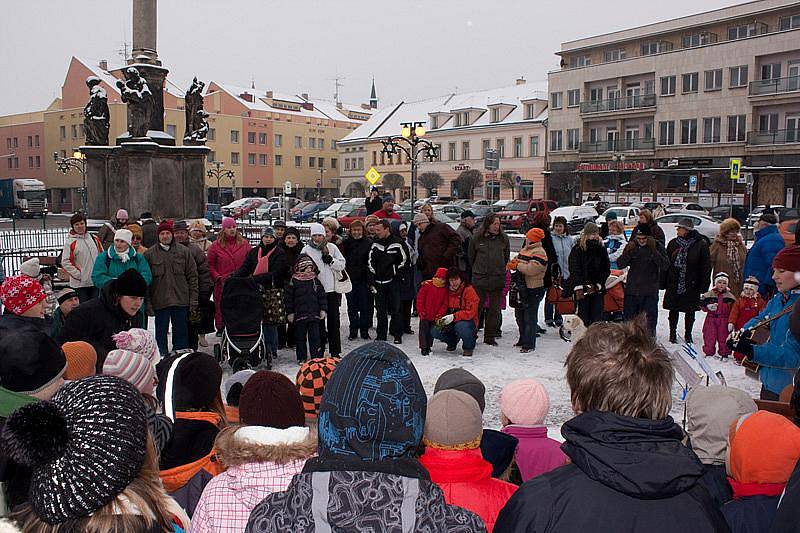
[(270, 399), (441, 273), (312, 377), (788, 259), (166, 225), (20, 293)]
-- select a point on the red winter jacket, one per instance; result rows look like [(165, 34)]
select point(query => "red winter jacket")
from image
[(432, 300), (464, 303), (466, 479)]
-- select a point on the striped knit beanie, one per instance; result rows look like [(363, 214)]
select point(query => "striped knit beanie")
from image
[(133, 368), (81, 360), (311, 379), (138, 340)]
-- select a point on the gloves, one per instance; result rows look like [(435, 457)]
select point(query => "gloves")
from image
[(448, 319), (327, 259), (730, 327), (290, 317), (711, 307), (744, 346), (322, 315), (194, 316)]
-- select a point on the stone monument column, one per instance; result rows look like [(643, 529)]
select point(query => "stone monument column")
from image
[(145, 59)]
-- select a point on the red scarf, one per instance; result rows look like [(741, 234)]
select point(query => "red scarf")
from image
[(744, 490)]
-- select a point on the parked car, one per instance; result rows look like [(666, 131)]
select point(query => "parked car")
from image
[(687, 207), (599, 206), (787, 229), (465, 203), (245, 206), (481, 211), (296, 209), (788, 213), (453, 211), (264, 212), (347, 218), (310, 212), (519, 214), (705, 225), (357, 201), (721, 212), (227, 210), (503, 203), (628, 215), (406, 215), (334, 209), (577, 216), (214, 213), (433, 200), (476, 203), (755, 214)]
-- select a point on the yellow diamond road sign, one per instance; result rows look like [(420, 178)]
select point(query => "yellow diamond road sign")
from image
[(372, 175)]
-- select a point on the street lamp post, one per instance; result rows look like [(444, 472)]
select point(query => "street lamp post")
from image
[(619, 159), (218, 172), (319, 184), (76, 162), (411, 134)]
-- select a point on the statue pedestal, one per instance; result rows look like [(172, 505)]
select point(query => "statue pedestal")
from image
[(168, 181)]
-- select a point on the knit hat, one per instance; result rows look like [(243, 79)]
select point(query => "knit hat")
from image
[(188, 381), (138, 340), (709, 414), (291, 230), (132, 367), (122, 215), (356, 224), (228, 223), (65, 294), (460, 379), (81, 360), (136, 230), (31, 267), (441, 273), (764, 448), (130, 283), (312, 376), (788, 259), (466, 214), (420, 218), (303, 262), (388, 198), (535, 235), (279, 224), (270, 399), (84, 447), (317, 229), (330, 222), (453, 421), (685, 223), (234, 385), (20, 293), (751, 283), (611, 215), (123, 235), (146, 214), (525, 402), (268, 231), (198, 225), (371, 219), (180, 225), (590, 228), (30, 361), (77, 217), (643, 229), (166, 225)]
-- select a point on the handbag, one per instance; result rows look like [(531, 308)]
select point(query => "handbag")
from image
[(342, 283), (563, 304), (274, 309)]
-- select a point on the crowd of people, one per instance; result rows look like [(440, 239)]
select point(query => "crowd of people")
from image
[(105, 426)]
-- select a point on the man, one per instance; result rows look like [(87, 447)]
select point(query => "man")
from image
[(628, 469), (465, 232), (280, 230), (437, 246), (78, 257), (373, 202), (205, 285), (759, 259), (173, 293), (461, 322), (646, 258), (387, 256), (149, 230), (388, 209), (68, 301), (106, 233)]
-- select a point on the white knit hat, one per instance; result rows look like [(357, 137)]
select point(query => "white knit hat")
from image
[(124, 235), (30, 268), (721, 275), (317, 229)]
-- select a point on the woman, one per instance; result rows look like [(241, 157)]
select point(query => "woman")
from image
[(728, 254), (588, 271), (562, 243), (332, 227), (646, 217), (292, 246), (119, 257), (355, 249), (489, 252), (136, 240), (198, 235), (532, 263), (615, 242), (405, 277), (688, 277), (225, 256)]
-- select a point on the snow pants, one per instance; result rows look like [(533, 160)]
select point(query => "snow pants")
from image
[(715, 332)]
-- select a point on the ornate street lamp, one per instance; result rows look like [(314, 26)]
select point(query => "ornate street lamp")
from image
[(412, 144), (76, 162), (218, 172), (619, 161)]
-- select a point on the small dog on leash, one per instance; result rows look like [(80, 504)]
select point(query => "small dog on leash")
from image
[(573, 328)]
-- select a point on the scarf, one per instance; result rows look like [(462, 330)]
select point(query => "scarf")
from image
[(732, 254), (322, 246), (680, 260), (124, 258), (304, 276)]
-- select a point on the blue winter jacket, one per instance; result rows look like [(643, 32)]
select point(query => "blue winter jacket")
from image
[(780, 357), (563, 245), (759, 259)]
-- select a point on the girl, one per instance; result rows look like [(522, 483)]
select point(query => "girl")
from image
[(717, 304), (562, 244), (615, 243), (748, 305), (306, 307)]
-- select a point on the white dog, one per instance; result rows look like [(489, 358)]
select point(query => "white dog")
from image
[(573, 328)]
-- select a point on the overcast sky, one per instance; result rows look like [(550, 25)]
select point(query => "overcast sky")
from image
[(414, 48)]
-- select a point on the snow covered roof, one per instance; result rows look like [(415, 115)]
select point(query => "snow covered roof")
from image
[(386, 121), (104, 75)]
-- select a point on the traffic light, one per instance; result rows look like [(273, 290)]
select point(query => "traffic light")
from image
[(491, 160)]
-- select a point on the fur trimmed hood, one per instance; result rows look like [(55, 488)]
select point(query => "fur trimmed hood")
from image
[(235, 450)]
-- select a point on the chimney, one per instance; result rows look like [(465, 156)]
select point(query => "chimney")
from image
[(246, 96), (339, 105), (103, 64), (307, 105), (520, 81), (269, 94), (305, 96)]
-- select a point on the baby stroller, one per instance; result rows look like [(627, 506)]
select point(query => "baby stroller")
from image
[(243, 344), (614, 298)]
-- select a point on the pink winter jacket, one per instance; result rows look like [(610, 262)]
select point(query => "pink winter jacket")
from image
[(536, 452), (224, 261)]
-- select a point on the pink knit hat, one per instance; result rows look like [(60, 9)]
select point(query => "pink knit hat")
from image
[(228, 222), (122, 214), (525, 402), (137, 340), (131, 367)]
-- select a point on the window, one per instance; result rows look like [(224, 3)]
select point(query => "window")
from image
[(573, 97), (312, 142), (333, 162), (746, 30), (321, 144), (517, 146), (579, 61), (82, 132), (690, 82), (768, 122), (251, 137), (711, 127), (689, 131), (234, 136), (657, 47), (312, 162), (495, 114), (16, 162), (8, 143), (501, 148), (278, 140), (347, 163), (556, 141), (666, 132), (771, 71), (487, 145), (30, 161), (457, 119), (262, 138), (212, 156), (596, 94), (613, 55), (360, 163), (556, 99), (434, 122), (74, 131), (451, 152), (36, 141), (30, 141), (212, 134), (738, 76), (333, 144), (278, 160), (668, 85), (465, 150), (573, 138), (62, 132), (530, 111), (262, 159), (16, 142), (251, 159), (648, 130), (789, 23), (534, 146), (698, 39), (234, 158), (713, 79), (736, 128), (10, 162), (298, 141)]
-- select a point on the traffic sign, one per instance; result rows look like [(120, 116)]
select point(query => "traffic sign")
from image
[(287, 187), (736, 167), (518, 179), (692, 183), (372, 175)]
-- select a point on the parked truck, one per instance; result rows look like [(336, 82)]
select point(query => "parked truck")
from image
[(22, 198)]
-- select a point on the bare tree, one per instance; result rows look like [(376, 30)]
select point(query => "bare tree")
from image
[(509, 181), (467, 181), (431, 181), (356, 189), (393, 182)]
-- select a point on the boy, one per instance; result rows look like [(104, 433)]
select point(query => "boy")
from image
[(431, 306), (306, 306)]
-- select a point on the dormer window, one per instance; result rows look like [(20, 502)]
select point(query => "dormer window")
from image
[(495, 114), (457, 119)]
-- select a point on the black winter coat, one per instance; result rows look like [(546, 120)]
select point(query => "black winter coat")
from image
[(149, 233), (11, 323), (305, 299), (587, 267), (96, 321), (292, 254), (645, 265), (753, 514), (438, 247), (388, 258), (715, 480), (356, 254), (191, 440), (627, 474), (787, 519), (373, 205), (278, 273), (698, 275)]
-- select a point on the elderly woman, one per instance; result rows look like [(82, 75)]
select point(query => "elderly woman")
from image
[(119, 257), (688, 277), (728, 254), (198, 235)]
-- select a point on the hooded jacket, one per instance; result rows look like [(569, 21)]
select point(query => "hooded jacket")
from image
[(366, 476), (759, 259), (646, 265), (488, 255), (563, 245), (536, 453), (438, 247), (254, 471), (305, 298), (109, 265), (780, 356), (432, 299), (626, 474), (78, 257)]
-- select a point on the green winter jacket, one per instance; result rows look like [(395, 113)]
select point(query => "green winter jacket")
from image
[(108, 266)]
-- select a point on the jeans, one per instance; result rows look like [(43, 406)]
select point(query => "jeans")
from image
[(492, 312), (307, 330), (425, 337), (329, 330), (359, 308), (387, 305), (86, 293), (271, 339), (635, 305), (551, 313), (463, 330), (590, 309), (531, 318), (179, 316)]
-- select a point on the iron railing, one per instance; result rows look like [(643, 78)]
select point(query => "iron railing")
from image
[(621, 103), (618, 145), (758, 138), (775, 86)]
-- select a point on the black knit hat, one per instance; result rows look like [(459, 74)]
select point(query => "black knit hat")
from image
[(271, 399), (30, 361), (196, 378), (130, 283), (84, 447), (644, 229)]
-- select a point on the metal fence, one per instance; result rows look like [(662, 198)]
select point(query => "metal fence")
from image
[(16, 246)]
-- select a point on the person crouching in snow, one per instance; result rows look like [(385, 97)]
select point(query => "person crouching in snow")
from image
[(461, 320), (748, 305), (306, 306), (717, 304), (432, 302)]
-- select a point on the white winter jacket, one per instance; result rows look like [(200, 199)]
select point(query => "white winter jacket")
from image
[(78, 257), (326, 271)]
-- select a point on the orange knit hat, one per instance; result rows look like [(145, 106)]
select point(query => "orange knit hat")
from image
[(764, 448), (81, 360), (535, 235)]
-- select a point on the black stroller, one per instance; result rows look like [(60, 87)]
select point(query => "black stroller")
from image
[(243, 344)]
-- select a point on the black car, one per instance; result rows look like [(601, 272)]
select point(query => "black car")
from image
[(721, 212)]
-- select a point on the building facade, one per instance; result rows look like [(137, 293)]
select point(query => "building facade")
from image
[(660, 110)]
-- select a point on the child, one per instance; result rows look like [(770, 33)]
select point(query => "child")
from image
[(432, 300), (523, 407), (748, 305), (717, 304), (615, 242), (306, 306)]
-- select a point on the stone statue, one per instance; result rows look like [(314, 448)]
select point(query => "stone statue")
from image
[(137, 95), (95, 114), (195, 120)]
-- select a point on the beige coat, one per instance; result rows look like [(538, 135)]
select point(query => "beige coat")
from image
[(532, 263), (720, 263)]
